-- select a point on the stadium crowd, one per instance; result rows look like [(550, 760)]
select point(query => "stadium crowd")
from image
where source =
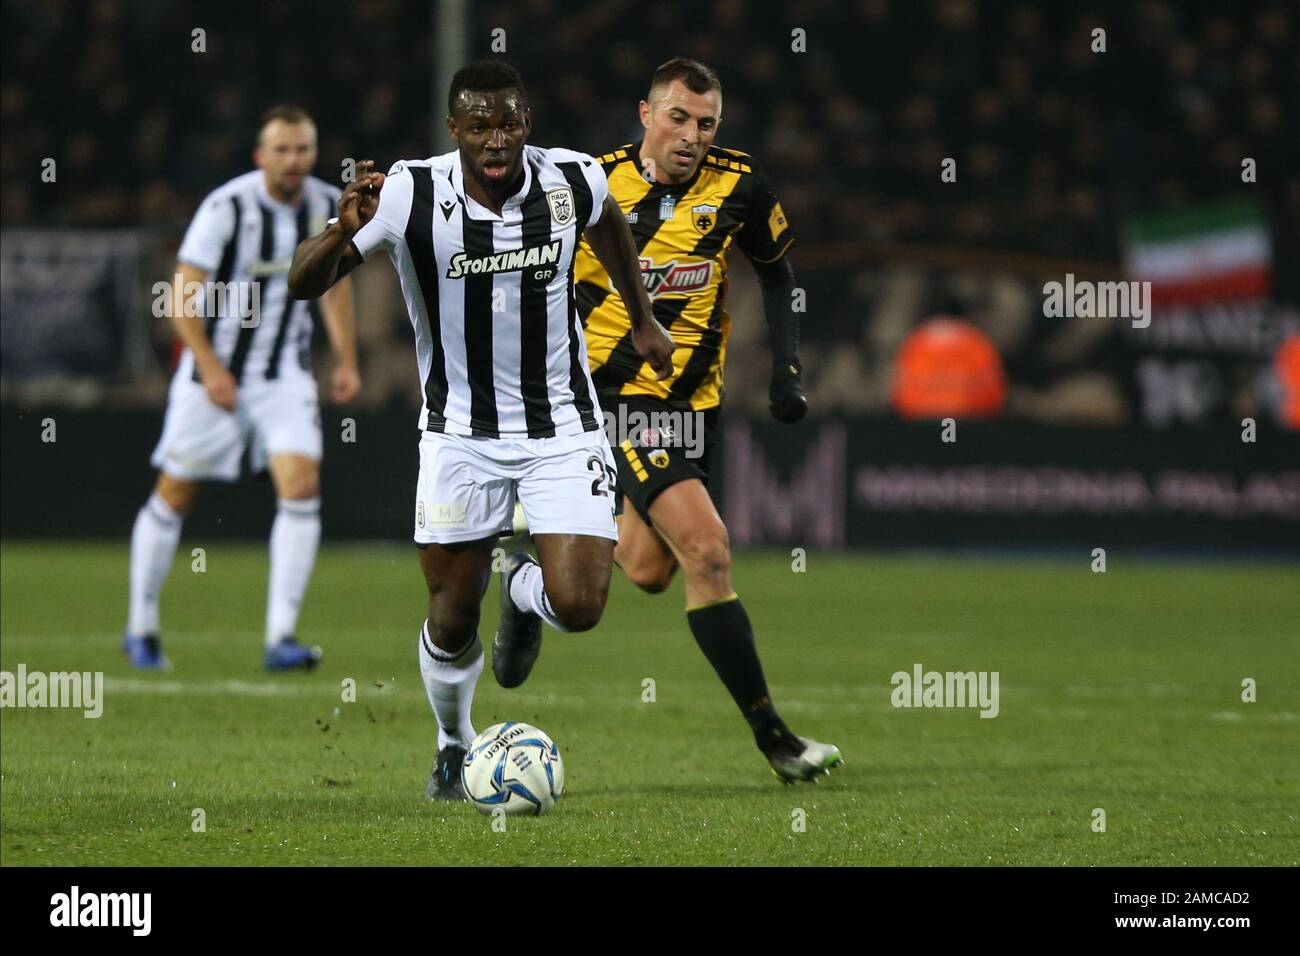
[(1054, 142), (850, 108)]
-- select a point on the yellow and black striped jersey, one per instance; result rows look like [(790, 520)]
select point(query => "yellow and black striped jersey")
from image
[(683, 233)]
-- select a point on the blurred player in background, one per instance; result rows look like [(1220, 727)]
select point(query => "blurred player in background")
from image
[(687, 202), (244, 381), (483, 240)]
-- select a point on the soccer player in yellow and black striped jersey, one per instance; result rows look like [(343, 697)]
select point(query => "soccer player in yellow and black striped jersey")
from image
[(688, 202)]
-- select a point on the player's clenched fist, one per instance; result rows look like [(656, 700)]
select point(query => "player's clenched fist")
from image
[(345, 384), (653, 343), (360, 199)]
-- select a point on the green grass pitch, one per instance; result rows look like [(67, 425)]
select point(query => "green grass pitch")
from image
[(1120, 691)]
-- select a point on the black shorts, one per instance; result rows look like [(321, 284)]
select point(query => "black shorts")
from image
[(648, 461)]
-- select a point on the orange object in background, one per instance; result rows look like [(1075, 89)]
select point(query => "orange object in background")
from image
[(948, 367), (1287, 367)]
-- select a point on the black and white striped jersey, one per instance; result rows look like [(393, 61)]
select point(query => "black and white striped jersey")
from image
[(497, 336), (244, 240)]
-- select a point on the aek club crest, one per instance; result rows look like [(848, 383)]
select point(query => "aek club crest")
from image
[(704, 218)]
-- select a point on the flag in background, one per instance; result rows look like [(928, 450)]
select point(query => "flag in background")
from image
[(1211, 253)]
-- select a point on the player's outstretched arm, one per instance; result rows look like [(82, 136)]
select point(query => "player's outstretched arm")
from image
[(322, 260), (611, 240)]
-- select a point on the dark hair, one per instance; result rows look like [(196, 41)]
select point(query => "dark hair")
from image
[(697, 77), (484, 76), (286, 112)]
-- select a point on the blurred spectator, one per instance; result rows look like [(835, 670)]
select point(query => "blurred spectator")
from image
[(1054, 143), (948, 367)]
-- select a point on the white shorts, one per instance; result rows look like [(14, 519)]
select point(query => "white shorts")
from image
[(467, 486), (202, 441)]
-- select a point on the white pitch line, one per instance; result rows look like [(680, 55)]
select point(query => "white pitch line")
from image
[(224, 688), (329, 693), (871, 700)]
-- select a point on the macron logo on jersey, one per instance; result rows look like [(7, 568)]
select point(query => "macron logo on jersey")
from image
[(463, 265)]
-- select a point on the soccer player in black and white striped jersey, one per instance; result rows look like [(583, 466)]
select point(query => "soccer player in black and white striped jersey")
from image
[(244, 381), (483, 240)]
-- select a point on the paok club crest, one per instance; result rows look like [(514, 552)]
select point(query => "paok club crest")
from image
[(561, 203)]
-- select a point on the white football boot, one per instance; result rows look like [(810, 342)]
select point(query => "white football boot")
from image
[(815, 761)]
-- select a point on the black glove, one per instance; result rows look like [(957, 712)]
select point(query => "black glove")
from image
[(786, 393)]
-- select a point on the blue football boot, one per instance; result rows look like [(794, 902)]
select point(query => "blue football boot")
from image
[(145, 653), (289, 655)]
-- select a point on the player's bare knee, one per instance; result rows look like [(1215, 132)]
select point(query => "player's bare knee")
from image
[(653, 577), (451, 628), (583, 617), (452, 622), (707, 554), (645, 568), (579, 610), (178, 493), (300, 485), (302, 491)]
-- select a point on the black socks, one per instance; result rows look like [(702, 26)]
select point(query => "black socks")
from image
[(724, 634)]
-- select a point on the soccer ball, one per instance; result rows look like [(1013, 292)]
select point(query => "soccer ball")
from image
[(515, 767)]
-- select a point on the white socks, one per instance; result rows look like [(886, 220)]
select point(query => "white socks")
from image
[(154, 538), (449, 679), (295, 536), (529, 594)]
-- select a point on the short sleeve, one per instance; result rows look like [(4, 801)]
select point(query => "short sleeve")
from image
[(593, 175), (209, 233), (766, 234), (388, 225)]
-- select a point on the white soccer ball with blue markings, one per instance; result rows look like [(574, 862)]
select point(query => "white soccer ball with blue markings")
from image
[(514, 767)]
